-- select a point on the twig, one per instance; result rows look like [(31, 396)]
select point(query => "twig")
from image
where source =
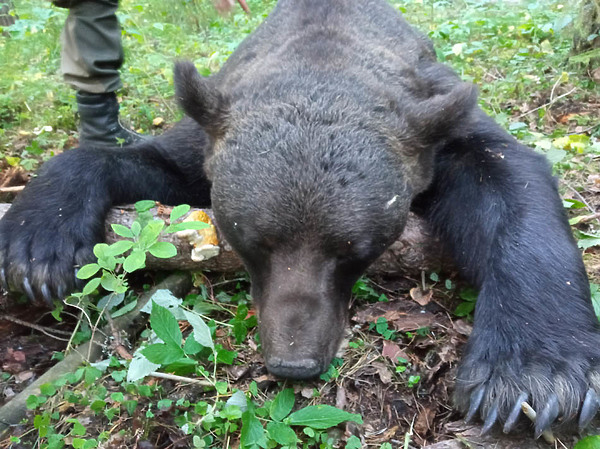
[(11, 189), (550, 103), (583, 200), (204, 383), (532, 415), (117, 343), (37, 327), (586, 218), (554, 87)]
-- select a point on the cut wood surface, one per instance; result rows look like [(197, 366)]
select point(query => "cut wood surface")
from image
[(414, 251)]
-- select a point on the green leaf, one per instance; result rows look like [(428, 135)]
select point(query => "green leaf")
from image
[(117, 396), (130, 406), (191, 346), (468, 294), (41, 422), (100, 250), (555, 155), (573, 204), (253, 434), (165, 325), (179, 211), (125, 309), (238, 399), (282, 434), (165, 298), (225, 356), (321, 417), (135, 261), (122, 231), (91, 374), (97, 406), (140, 367), (109, 282), (464, 308), (282, 404), (353, 443), (107, 261), (78, 428), (111, 301), (586, 240), (91, 286), (136, 228), (119, 247), (144, 205), (163, 250), (47, 389), (150, 233), (163, 354), (186, 225), (87, 271), (182, 366), (591, 442), (202, 332)]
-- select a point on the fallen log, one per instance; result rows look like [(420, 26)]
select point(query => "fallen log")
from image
[(416, 249)]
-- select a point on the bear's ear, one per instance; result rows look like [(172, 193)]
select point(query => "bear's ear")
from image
[(441, 115), (200, 99)]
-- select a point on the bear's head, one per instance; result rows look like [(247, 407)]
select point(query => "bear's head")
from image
[(309, 192)]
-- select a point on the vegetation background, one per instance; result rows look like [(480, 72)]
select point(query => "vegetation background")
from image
[(519, 53)]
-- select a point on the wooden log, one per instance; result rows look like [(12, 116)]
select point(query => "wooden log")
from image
[(416, 249)]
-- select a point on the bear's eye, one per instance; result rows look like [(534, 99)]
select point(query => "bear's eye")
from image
[(353, 250)]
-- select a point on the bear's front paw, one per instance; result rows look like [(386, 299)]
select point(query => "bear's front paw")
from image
[(41, 249), (560, 379)]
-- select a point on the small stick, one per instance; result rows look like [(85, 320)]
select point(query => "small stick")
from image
[(47, 331), (590, 217), (11, 189), (550, 103), (204, 383), (532, 415)]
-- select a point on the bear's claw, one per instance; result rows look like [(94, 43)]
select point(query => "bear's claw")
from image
[(514, 414), (589, 408), (547, 416)]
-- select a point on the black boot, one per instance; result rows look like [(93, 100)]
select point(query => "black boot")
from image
[(99, 121)]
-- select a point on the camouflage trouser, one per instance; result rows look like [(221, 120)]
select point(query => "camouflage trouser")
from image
[(91, 45)]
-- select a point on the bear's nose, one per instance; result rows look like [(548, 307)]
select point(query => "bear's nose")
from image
[(294, 369)]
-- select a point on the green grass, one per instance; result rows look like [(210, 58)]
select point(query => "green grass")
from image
[(513, 51)]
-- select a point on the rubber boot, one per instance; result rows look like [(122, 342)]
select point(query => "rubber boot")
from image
[(99, 124)]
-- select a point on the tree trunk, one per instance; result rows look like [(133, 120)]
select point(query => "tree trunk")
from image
[(6, 18), (586, 40), (416, 249)]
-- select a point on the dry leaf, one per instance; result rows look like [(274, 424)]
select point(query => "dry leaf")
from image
[(462, 327), (421, 297), (424, 420), (384, 373), (392, 351)]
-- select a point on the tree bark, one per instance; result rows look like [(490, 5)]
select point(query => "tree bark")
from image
[(6, 18), (587, 32), (416, 249)]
